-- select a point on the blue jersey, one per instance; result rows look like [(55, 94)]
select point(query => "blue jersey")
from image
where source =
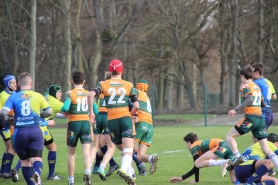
[(254, 152), (265, 89), (27, 106)]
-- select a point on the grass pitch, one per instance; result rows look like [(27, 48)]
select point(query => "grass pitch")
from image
[(174, 158)]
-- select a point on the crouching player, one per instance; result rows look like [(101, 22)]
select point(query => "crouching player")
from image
[(204, 153)]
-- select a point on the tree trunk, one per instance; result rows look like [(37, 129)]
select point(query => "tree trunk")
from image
[(15, 49), (67, 35), (233, 61), (33, 42), (78, 37), (261, 31)]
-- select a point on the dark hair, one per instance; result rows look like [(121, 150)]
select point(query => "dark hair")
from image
[(191, 137), (246, 71), (259, 67), (78, 77)]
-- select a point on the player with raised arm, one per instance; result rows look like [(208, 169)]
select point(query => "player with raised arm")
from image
[(252, 121), (143, 126), (29, 107), (7, 159), (205, 153), (116, 94), (79, 127)]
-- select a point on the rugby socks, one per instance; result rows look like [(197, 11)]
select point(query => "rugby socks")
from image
[(104, 149), (3, 166), (268, 182), (135, 159), (51, 162), (17, 166), (9, 161), (126, 162), (213, 162), (98, 160), (71, 179), (112, 162), (273, 157), (88, 171), (236, 154), (37, 166), (261, 171), (28, 175)]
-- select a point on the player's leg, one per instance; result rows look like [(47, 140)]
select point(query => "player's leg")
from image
[(71, 163), (35, 148), (127, 144), (144, 138), (9, 158), (99, 154), (72, 138), (109, 154), (261, 168), (86, 140), (4, 134), (260, 133), (106, 158), (21, 143), (52, 154)]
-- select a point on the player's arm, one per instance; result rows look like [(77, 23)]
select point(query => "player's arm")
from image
[(90, 99), (46, 112), (194, 170), (133, 99), (248, 100), (67, 102), (6, 108)]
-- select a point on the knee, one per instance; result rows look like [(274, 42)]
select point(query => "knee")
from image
[(269, 164)]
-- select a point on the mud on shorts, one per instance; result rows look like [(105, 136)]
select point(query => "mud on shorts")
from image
[(78, 130), (120, 128), (252, 123), (144, 133)]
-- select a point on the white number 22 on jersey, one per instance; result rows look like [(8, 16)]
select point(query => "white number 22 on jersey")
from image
[(257, 98), (113, 93)]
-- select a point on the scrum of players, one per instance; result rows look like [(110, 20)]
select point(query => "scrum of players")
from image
[(117, 115)]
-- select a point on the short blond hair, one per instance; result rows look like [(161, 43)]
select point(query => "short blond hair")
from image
[(24, 79)]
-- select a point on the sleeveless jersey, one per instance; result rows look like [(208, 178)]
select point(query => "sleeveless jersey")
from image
[(78, 109), (27, 106), (116, 94)]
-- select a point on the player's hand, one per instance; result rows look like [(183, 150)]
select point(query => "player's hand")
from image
[(92, 118), (66, 114), (232, 112), (176, 179), (51, 122), (192, 181)]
